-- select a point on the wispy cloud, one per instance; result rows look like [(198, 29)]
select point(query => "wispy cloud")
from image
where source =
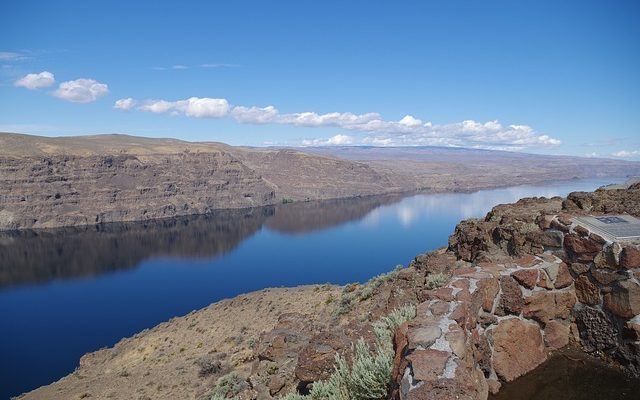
[(13, 56), (219, 65), (626, 153), (368, 128), (125, 104), (36, 81), (184, 66)]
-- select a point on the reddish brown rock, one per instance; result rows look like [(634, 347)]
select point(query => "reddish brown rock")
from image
[(545, 306), (487, 292), (582, 231), (457, 340), (556, 335), (423, 336), (461, 284), (316, 360), (439, 308), (517, 348), (526, 277), (587, 292), (526, 261), (400, 343), (539, 306), (579, 268), (444, 294), (544, 281), (511, 300), (581, 246), (275, 385), (428, 364), (624, 299), (564, 304), (604, 277), (597, 238), (630, 257), (564, 278)]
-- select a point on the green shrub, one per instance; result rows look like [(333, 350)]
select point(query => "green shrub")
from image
[(345, 305), (369, 376), (230, 384), (436, 280)]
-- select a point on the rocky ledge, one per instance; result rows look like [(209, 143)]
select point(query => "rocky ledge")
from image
[(537, 281), (511, 289)]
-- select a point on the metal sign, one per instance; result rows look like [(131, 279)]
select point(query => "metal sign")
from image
[(613, 228)]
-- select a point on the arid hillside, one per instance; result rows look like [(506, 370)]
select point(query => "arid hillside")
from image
[(72, 181)]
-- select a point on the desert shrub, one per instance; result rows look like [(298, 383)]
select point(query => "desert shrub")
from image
[(230, 384), (209, 365), (369, 375), (377, 281), (345, 304), (436, 280), (529, 227)]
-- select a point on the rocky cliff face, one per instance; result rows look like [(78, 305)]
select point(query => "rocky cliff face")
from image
[(67, 181), (50, 191), (537, 281)]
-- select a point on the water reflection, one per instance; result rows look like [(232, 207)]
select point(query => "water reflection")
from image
[(33, 256)]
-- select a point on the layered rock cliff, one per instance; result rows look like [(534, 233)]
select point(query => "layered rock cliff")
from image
[(68, 181)]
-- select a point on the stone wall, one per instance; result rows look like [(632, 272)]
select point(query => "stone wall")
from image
[(529, 281)]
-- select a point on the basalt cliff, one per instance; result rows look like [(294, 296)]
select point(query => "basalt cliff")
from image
[(74, 181), (509, 291)]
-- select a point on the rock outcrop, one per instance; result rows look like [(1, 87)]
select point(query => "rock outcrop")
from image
[(537, 281)]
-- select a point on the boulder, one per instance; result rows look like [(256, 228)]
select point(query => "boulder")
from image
[(511, 300), (624, 299), (630, 257), (556, 335), (428, 364), (517, 348), (526, 277), (564, 277), (587, 292)]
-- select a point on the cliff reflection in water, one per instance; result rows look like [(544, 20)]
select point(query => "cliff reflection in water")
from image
[(33, 256)]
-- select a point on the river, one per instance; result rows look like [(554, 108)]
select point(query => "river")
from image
[(69, 291)]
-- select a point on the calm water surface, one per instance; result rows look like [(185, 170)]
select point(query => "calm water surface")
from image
[(66, 292)]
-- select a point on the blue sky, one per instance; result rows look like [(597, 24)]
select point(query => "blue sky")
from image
[(545, 76)]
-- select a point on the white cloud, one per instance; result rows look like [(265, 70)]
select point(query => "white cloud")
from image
[(179, 66), (81, 90), (197, 107), (337, 140), (254, 115), (409, 120), (36, 81), (626, 153), (371, 127), (125, 104)]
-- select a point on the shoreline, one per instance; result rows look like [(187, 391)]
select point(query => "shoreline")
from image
[(401, 194)]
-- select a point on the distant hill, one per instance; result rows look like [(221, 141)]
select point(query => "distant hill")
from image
[(83, 180)]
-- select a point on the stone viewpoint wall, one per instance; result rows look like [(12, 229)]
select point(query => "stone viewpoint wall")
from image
[(528, 281)]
